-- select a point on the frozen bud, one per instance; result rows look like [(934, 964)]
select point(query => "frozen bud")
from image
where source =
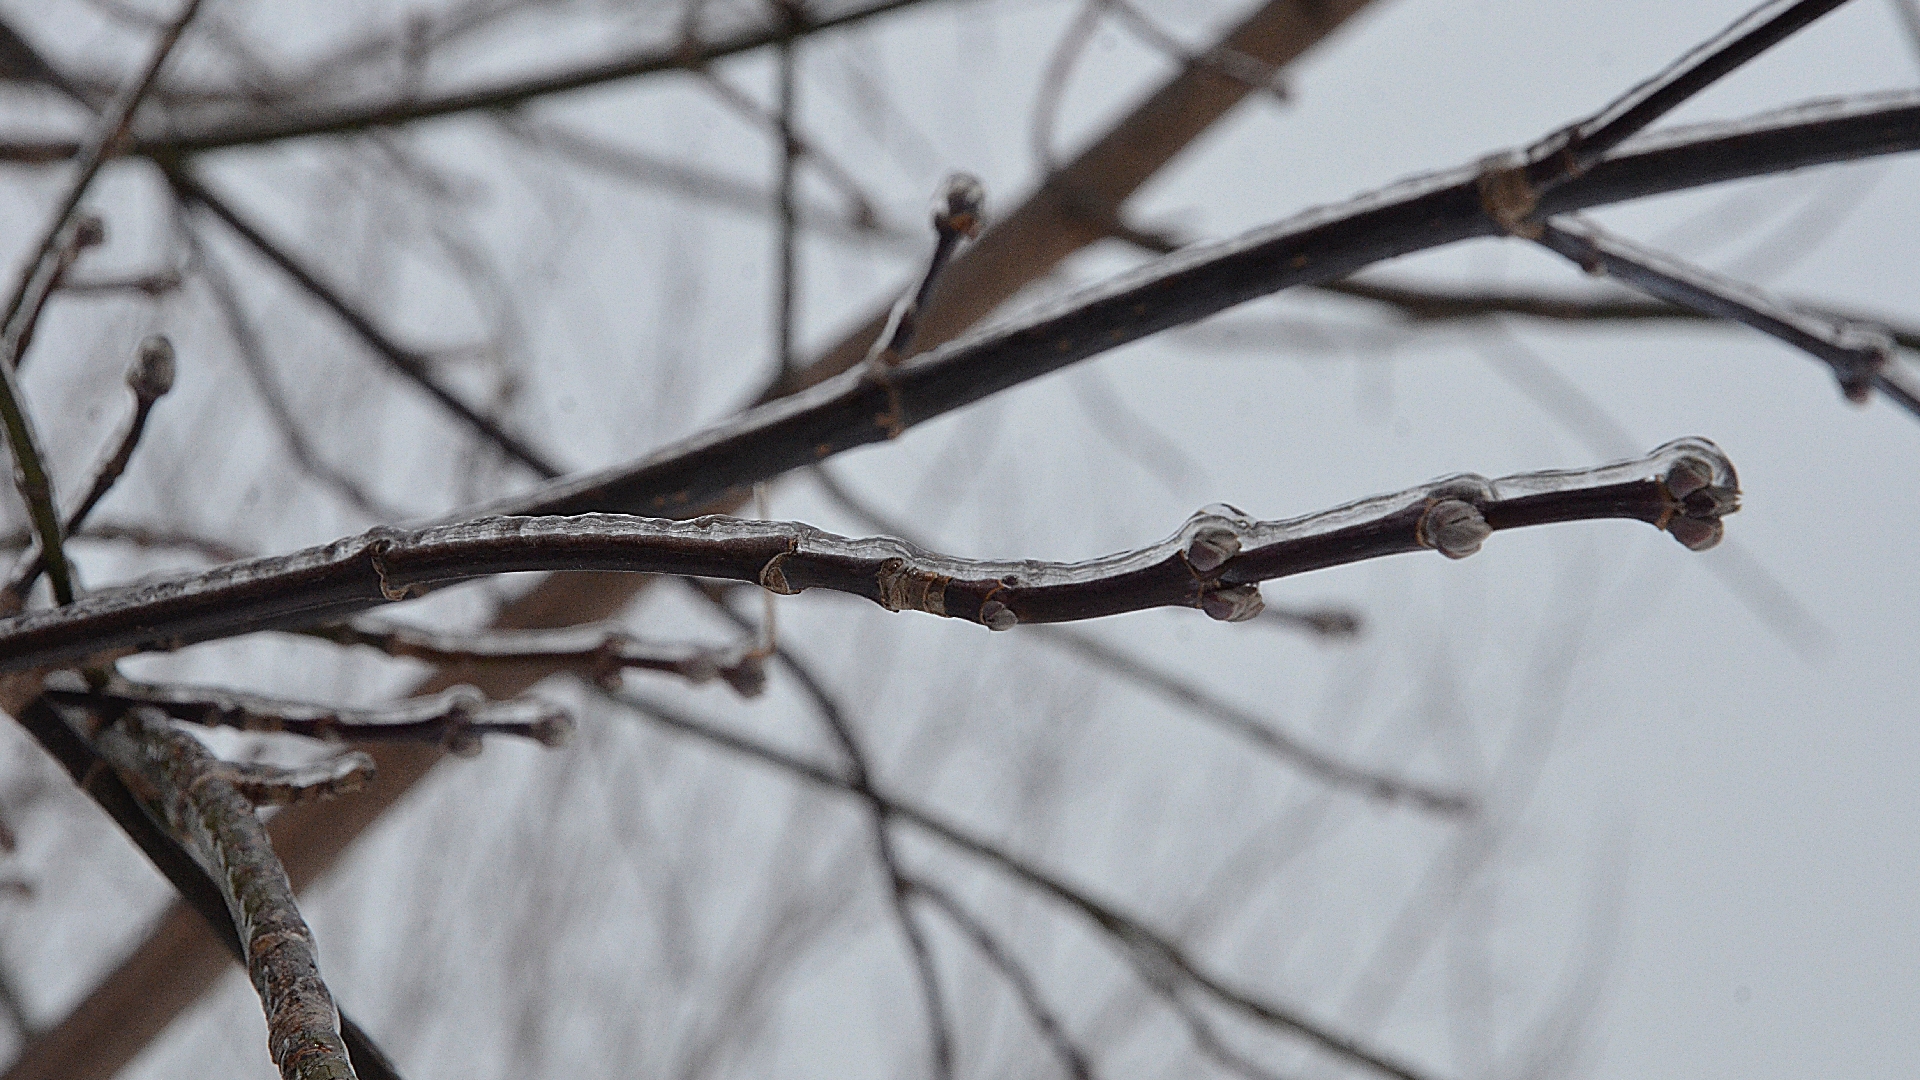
[(553, 731), (1454, 528), (1210, 548), (1687, 476), (150, 375), (995, 615), (1696, 533), (89, 231), (1235, 603), (774, 579), (960, 204), (461, 741)]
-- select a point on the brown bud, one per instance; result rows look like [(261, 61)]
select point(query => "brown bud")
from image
[(1696, 533), (995, 615), (960, 204), (89, 231), (1235, 603), (553, 731), (1453, 528), (1210, 548), (150, 375)]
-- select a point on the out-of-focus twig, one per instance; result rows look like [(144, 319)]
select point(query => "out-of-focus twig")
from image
[(149, 378), (594, 653), (456, 719), (413, 366), (1139, 942), (185, 787)]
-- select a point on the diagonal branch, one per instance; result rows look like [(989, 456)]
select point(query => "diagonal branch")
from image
[(1213, 563), (412, 366), (183, 786), (1857, 353), (1138, 941)]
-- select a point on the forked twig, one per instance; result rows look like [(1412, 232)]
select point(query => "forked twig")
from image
[(187, 788)]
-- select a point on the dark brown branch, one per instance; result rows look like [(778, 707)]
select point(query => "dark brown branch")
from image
[(157, 283), (149, 378), (1324, 245), (414, 367), (1255, 728), (456, 719), (183, 786), (597, 654), (1213, 563), (1858, 354), (1133, 938), (1571, 151)]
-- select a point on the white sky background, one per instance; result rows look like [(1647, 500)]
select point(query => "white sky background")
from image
[(1706, 817)]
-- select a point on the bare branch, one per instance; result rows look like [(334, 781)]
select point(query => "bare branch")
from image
[(596, 654), (1329, 244), (413, 366), (278, 785), (1857, 354), (183, 785), (1213, 563), (157, 283), (1134, 938), (1254, 728), (456, 719), (150, 378), (1049, 1024)]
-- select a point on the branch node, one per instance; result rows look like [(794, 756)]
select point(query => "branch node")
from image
[(774, 579), (1508, 197), (909, 588), (1700, 492)]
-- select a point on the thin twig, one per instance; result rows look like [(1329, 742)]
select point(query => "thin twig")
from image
[(1044, 1019), (149, 378), (594, 653), (786, 245), (1214, 563), (803, 148), (1134, 938), (141, 536), (413, 366), (456, 719), (184, 787), (1255, 729), (1857, 354), (157, 283)]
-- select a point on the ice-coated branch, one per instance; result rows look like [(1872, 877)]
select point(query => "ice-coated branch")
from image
[(598, 654), (150, 378), (1136, 940), (408, 364), (1255, 729), (958, 211), (456, 719), (1328, 244), (1214, 563), (185, 787), (1856, 352), (1574, 149)]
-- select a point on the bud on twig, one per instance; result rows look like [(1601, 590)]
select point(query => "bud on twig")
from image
[(150, 376)]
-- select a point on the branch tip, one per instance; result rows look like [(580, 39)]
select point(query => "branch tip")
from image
[(960, 206), (151, 374)]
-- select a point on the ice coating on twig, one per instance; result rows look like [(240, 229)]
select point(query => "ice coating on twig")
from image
[(388, 564), (278, 785)]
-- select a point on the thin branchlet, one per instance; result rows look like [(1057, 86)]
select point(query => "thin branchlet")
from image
[(599, 654), (1214, 562)]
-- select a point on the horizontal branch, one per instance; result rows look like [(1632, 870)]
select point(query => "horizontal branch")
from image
[(594, 653), (455, 719), (855, 409), (184, 785), (285, 123), (1213, 563)]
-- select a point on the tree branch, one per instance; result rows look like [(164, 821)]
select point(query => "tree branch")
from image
[(183, 785), (1213, 563)]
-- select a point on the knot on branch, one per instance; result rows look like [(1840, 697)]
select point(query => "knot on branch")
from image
[(1508, 197), (1700, 490), (379, 540), (904, 587)]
